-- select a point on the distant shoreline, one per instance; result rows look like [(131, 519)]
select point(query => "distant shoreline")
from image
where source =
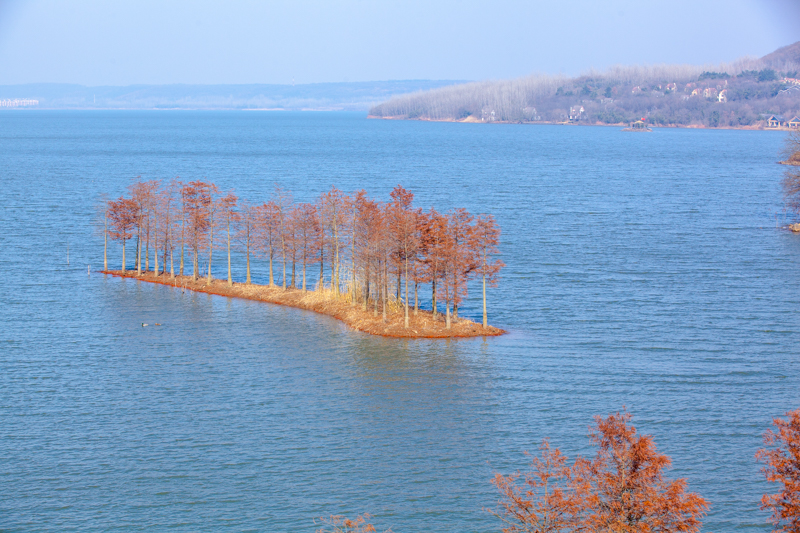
[(422, 325), (602, 124)]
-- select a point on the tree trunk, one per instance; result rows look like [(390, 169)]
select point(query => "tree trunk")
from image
[(322, 267), (433, 295), (123, 255), (485, 322), (447, 314), (283, 258), (155, 248), (406, 302), (304, 272), (294, 273), (230, 279), (105, 247), (271, 279), (138, 256), (247, 245), (416, 298), (210, 251), (377, 290), (182, 239), (171, 266), (195, 266)]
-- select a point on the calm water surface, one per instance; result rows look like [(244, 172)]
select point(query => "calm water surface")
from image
[(643, 271)]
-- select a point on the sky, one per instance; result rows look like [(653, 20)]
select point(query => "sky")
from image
[(121, 42)]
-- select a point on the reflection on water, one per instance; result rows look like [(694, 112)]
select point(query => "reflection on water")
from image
[(642, 271)]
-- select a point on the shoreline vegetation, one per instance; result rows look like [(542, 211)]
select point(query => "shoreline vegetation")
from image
[(367, 263), (422, 323), (747, 94), (624, 487), (760, 126)]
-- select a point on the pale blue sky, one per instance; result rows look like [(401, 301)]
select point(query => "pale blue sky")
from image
[(99, 42)]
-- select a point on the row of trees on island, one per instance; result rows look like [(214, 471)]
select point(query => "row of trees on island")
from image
[(624, 488), (370, 252)]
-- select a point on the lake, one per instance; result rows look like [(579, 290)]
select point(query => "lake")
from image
[(643, 270)]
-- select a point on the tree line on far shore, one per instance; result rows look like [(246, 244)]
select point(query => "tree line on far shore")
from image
[(623, 489), (370, 252), (734, 95)]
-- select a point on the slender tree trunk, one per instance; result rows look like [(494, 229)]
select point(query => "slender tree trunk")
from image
[(210, 251), (447, 314), (416, 298), (406, 302), (105, 246), (271, 279), (283, 258), (138, 256), (147, 250), (230, 279), (305, 260), (171, 265), (123, 255), (294, 271), (385, 289), (155, 248), (195, 265), (366, 286), (485, 322), (433, 295), (322, 267), (182, 239), (247, 246)]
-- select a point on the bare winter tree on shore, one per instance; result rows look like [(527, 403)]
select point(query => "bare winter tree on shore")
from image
[(228, 217), (123, 216), (378, 254), (487, 240)]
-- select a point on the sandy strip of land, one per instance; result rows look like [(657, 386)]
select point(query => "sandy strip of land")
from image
[(421, 325)]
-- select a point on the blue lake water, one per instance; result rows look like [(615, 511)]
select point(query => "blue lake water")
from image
[(643, 270)]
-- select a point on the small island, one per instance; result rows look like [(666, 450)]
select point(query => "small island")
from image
[(364, 262)]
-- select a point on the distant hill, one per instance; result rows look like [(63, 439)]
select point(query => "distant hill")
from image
[(357, 96), (784, 58), (742, 94)]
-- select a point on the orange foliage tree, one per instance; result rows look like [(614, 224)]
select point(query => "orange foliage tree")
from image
[(622, 490), (546, 502), (625, 488), (375, 250), (341, 524), (783, 466)]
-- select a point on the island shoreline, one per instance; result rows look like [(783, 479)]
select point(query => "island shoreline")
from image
[(421, 325)]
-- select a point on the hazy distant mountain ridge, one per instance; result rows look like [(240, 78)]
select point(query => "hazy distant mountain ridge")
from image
[(355, 96), (733, 95)]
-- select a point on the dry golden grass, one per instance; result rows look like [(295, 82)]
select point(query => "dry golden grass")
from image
[(421, 325)]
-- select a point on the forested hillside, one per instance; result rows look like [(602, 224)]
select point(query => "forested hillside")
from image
[(744, 93)]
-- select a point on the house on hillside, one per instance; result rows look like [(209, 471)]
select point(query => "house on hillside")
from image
[(794, 123), (775, 121), (575, 113), (709, 92), (722, 97), (697, 92)]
